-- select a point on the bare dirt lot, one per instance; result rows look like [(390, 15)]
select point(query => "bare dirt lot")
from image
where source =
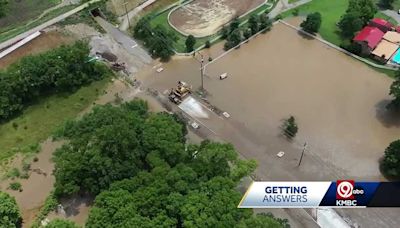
[(44, 42), (339, 104), (202, 18)]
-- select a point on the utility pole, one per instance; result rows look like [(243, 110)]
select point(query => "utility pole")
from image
[(201, 69), (302, 153), (126, 12)]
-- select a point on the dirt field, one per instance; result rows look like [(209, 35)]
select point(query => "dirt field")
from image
[(42, 43), (338, 103), (202, 18)]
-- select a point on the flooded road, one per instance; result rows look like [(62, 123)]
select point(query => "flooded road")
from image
[(338, 103)]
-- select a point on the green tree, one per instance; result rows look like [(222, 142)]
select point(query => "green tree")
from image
[(64, 69), (158, 40), (233, 39), (265, 22), (161, 43), (350, 24), (10, 215), (163, 138), (391, 161), (253, 24), (312, 23), (263, 220), (358, 14), (190, 42), (388, 4), (247, 33), (3, 7), (104, 147), (290, 127), (61, 223), (235, 23)]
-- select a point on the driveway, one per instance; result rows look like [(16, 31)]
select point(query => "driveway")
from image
[(393, 14)]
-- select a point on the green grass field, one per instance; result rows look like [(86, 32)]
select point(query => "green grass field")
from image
[(40, 120), (331, 12)]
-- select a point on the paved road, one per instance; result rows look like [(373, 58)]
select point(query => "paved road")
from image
[(124, 40), (393, 14), (45, 25), (283, 6), (125, 23)]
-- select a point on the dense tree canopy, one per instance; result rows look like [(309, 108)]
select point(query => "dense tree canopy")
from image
[(358, 14), (312, 23), (174, 197), (61, 223), (145, 174), (104, 147), (62, 69), (391, 161), (9, 212), (158, 40)]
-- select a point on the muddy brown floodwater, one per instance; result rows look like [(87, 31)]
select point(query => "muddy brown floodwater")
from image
[(339, 104)]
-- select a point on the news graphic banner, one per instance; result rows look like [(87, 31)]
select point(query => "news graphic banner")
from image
[(313, 194)]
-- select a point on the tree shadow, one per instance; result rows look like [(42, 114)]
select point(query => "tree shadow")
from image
[(388, 117), (305, 35)]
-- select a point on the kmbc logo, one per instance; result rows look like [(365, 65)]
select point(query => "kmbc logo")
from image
[(346, 192), (344, 189)]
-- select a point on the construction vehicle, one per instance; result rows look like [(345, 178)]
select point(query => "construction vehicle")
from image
[(180, 92)]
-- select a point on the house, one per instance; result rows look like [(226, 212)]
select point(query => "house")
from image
[(382, 24), (368, 38), (392, 36), (384, 50)]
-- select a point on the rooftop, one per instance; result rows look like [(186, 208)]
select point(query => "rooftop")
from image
[(371, 35), (385, 49)]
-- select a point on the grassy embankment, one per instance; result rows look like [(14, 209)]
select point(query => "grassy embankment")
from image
[(40, 120), (162, 19), (15, 30)]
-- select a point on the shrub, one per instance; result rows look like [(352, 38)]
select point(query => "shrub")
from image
[(16, 186), (207, 44), (14, 172)]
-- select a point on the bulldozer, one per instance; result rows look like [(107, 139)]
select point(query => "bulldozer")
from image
[(177, 94)]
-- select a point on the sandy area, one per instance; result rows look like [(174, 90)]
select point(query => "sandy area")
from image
[(202, 18)]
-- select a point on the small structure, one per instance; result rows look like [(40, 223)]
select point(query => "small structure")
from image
[(381, 24), (392, 36), (368, 38), (385, 50), (223, 76)]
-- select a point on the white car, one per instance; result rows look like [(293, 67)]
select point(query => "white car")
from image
[(195, 125)]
